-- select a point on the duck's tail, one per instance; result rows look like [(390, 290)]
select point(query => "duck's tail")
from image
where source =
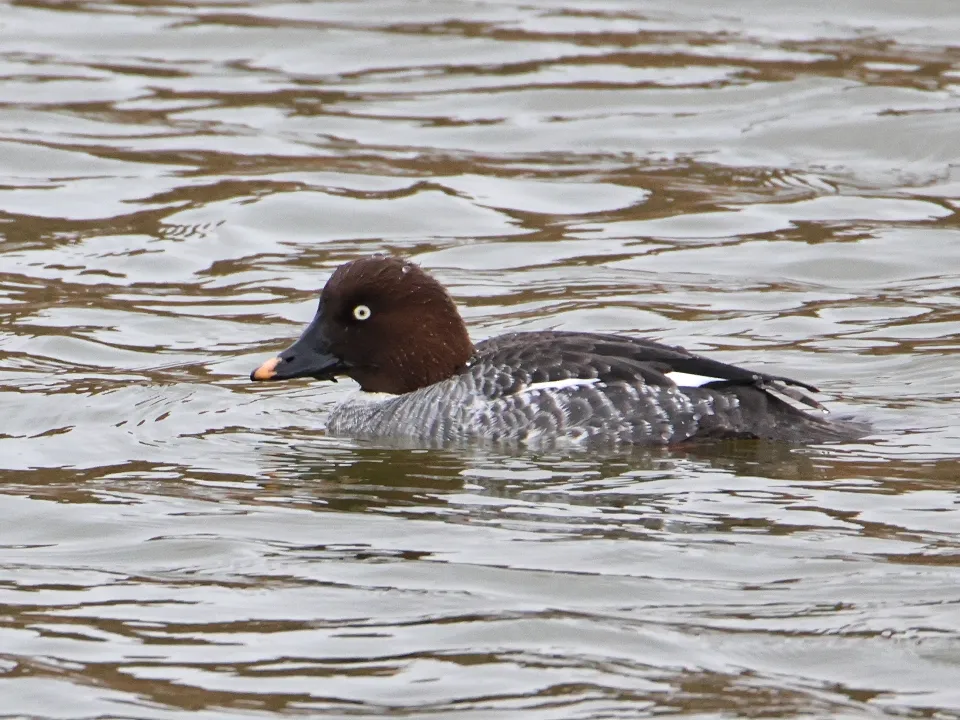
[(749, 411)]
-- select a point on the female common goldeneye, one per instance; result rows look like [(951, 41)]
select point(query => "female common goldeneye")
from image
[(393, 328)]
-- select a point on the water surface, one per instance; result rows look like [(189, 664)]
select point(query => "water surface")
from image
[(777, 186)]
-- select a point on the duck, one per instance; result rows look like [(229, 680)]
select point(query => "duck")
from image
[(388, 324)]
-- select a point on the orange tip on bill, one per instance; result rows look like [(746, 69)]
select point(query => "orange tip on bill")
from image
[(267, 370)]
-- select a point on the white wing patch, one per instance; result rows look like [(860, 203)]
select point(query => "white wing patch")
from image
[(688, 380), (560, 384)]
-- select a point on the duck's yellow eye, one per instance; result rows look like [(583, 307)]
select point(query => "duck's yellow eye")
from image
[(361, 312)]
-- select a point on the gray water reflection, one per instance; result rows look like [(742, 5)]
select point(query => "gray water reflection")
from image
[(774, 185)]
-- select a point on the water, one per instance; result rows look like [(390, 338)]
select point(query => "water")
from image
[(775, 185)]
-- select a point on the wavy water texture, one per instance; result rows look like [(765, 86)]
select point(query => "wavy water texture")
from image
[(777, 185)]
